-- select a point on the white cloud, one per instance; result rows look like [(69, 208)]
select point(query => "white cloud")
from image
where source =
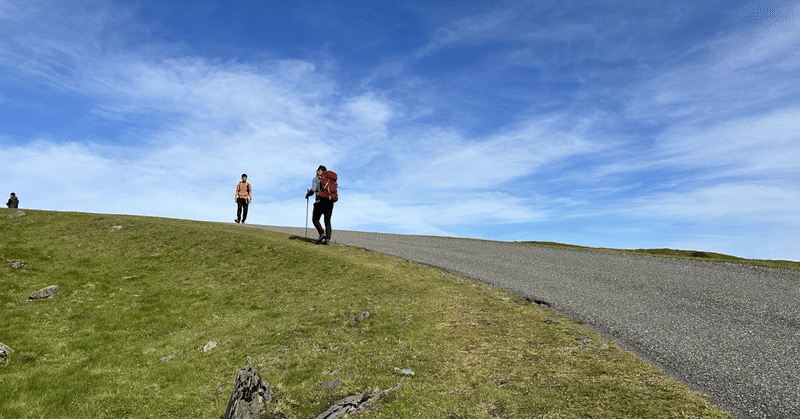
[(471, 29), (280, 90), (44, 170), (435, 214), (368, 115), (732, 201), (467, 165), (758, 146)]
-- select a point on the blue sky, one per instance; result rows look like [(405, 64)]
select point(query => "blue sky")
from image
[(625, 124)]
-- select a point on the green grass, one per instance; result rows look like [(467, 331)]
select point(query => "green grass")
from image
[(682, 254), (161, 287)]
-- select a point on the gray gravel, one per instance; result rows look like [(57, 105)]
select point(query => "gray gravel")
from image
[(729, 331)]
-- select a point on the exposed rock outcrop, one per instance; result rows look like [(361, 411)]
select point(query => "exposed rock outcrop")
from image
[(353, 404), (250, 395), (47, 292), (5, 352), (209, 346), (19, 213), (16, 263)]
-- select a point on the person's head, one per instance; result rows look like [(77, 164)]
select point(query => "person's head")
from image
[(321, 169), (13, 195), (244, 177)]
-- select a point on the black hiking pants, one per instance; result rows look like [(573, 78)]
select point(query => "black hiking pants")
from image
[(323, 207), (241, 209)]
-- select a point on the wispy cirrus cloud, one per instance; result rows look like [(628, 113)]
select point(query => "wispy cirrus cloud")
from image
[(469, 164), (753, 147), (730, 201), (747, 71)]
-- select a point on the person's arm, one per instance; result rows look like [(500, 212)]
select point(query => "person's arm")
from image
[(314, 187)]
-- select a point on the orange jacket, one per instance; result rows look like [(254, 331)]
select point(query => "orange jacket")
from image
[(243, 190)]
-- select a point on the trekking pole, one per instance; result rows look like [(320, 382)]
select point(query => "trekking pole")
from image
[(306, 218)]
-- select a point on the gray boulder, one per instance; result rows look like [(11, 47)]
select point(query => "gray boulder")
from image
[(5, 352), (47, 292), (19, 213), (250, 395), (16, 263), (353, 404), (332, 384)]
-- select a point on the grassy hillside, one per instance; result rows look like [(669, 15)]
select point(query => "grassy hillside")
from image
[(684, 254), (135, 290)]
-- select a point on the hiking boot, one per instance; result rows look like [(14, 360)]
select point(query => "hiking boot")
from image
[(236, 220)]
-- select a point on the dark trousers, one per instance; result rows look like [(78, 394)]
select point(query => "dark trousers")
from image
[(241, 209), (323, 207)]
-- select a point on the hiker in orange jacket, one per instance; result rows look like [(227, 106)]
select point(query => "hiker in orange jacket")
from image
[(242, 197)]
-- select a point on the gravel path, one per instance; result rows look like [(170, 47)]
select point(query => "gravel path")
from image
[(729, 331)]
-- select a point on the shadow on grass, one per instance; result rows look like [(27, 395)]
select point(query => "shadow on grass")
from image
[(303, 239)]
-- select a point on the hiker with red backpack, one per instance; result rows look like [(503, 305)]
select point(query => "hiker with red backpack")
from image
[(325, 186)]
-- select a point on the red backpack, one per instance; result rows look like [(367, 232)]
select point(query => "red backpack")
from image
[(328, 188)]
